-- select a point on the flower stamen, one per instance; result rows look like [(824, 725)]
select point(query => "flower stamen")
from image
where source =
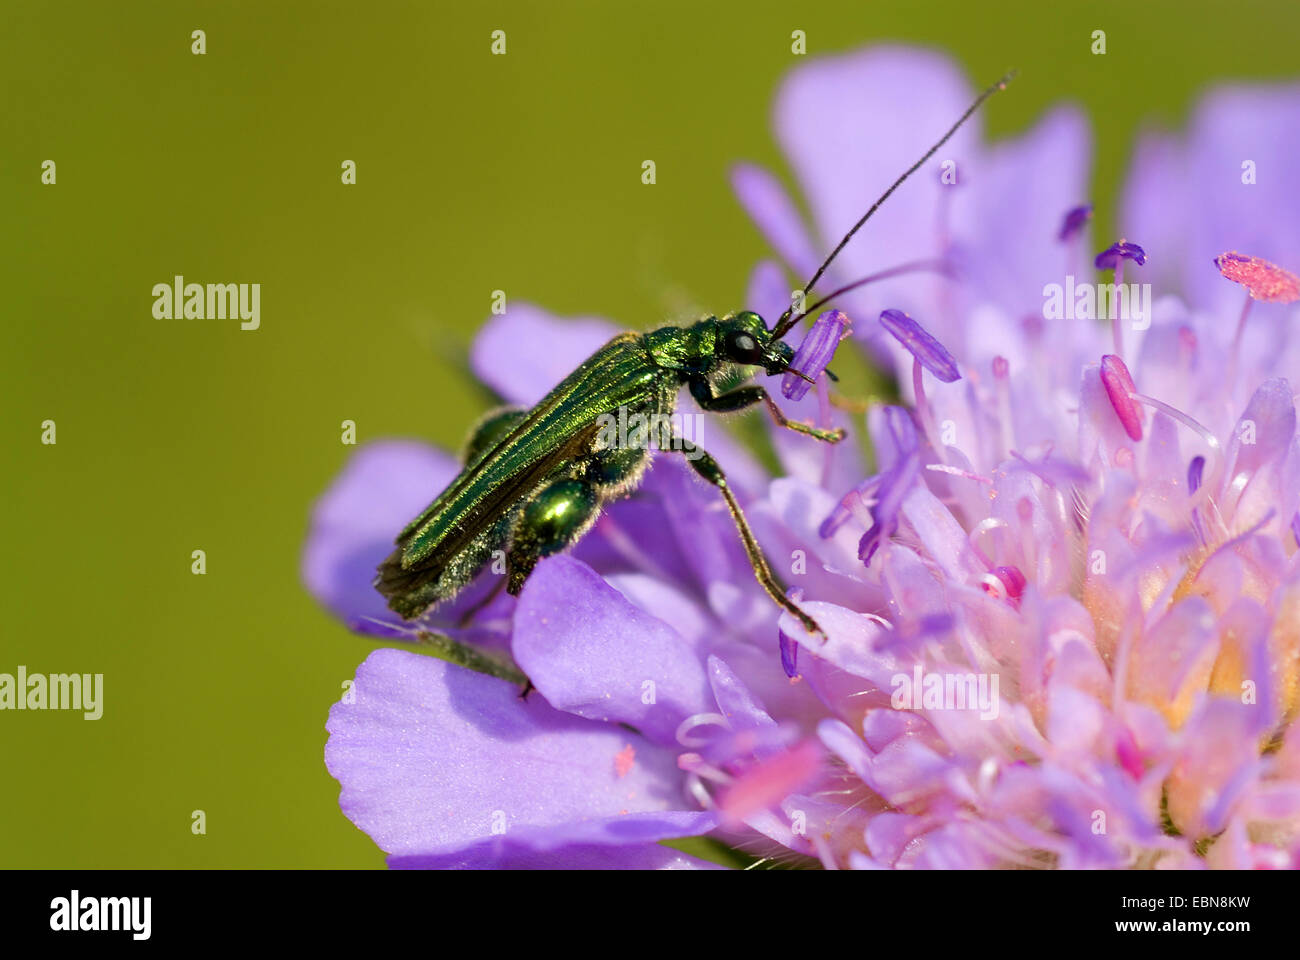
[(1120, 388), (1112, 258)]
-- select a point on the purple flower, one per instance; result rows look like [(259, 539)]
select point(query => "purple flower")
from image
[(1045, 609)]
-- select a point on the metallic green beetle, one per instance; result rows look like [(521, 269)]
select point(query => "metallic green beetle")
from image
[(535, 480)]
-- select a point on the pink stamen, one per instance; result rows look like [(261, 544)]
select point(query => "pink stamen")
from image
[(1130, 757), (1120, 388), (1005, 583), (1265, 281), (1014, 582)]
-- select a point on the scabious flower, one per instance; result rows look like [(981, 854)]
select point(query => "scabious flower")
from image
[(1061, 614)]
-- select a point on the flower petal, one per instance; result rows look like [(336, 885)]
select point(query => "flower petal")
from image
[(434, 759), (845, 150), (592, 653), (775, 215), (523, 353), (738, 705)]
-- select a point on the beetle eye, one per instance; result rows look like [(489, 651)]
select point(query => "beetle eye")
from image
[(743, 348)]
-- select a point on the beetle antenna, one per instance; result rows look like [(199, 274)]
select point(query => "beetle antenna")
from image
[(938, 266), (788, 319)]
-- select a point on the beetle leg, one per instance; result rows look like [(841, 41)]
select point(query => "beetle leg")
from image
[(743, 397), (473, 610), (708, 468)]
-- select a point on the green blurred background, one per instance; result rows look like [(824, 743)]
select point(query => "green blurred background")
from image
[(474, 172)]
